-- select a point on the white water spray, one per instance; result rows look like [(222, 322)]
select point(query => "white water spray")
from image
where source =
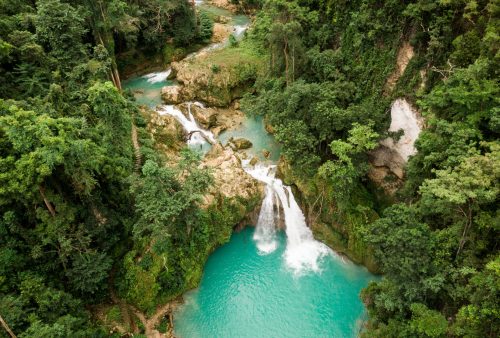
[(265, 230), (158, 76), (303, 253), (199, 135)]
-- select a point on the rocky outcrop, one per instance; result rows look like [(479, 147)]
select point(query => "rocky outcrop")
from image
[(230, 180), (220, 32), (405, 54), (389, 158), (166, 132), (216, 78), (173, 94), (226, 4), (239, 143)]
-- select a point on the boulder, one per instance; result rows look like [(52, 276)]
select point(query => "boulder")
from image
[(266, 153), (206, 117), (230, 180), (240, 143), (254, 161), (173, 94), (220, 32), (388, 160)]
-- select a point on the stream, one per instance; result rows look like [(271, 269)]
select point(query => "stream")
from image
[(265, 282)]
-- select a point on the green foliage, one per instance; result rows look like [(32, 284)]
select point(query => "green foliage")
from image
[(205, 26), (349, 165), (434, 250), (427, 323)]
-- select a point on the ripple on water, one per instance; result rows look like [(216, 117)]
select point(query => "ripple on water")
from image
[(244, 294)]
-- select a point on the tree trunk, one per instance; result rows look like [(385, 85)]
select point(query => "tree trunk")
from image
[(118, 83), (7, 328), (46, 201), (285, 51)]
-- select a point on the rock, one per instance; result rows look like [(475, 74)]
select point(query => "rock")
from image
[(172, 94), (266, 153), (230, 180), (220, 32), (172, 75), (205, 77), (241, 143), (228, 118), (269, 128), (217, 130), (226, 4), (388, 160), (236, 104), (254, 161), (206, 117), (221, 19), (405, 54)]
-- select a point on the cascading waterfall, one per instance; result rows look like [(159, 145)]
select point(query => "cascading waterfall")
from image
[(303, 252), (199, 136), (265, 231)]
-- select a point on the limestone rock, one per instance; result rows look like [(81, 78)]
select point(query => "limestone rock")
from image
[(388, 160), (226, 4), (220, 32), (405, 54), (230, 179), (206, 117), (173, 94), (240, 143), (254, 161)]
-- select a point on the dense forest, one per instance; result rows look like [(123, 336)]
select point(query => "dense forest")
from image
[(87, 219), (81, 223), (436, 240)]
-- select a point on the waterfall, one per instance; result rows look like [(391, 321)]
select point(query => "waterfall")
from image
[(265, 230), (200, 135), (302, 252), (158, 77)]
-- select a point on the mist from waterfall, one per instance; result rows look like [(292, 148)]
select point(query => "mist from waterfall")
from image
[(303, 253)]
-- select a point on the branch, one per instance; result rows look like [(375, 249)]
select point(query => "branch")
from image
[(46, 201), (7, 328)]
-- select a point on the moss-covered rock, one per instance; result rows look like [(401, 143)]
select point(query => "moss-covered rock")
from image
[(219, 77)]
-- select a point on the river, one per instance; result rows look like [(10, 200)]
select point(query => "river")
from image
[(265, 282)]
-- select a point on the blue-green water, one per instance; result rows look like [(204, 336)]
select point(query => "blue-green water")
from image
[(146, 93), (216, 11), (245, 294), (253, 129)]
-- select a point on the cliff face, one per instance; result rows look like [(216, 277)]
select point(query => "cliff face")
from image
[(389, 158)]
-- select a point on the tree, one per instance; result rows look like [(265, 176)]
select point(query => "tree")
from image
[(348, 166), (60, 27), (405, 248), (461, 190)]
